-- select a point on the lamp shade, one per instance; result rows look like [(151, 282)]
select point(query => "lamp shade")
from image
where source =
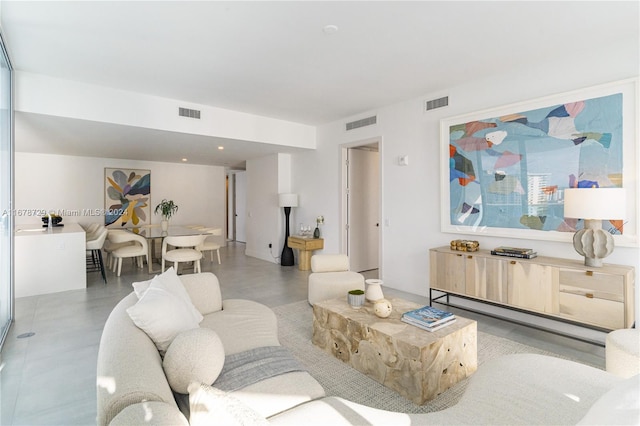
[(595, 203), (288, 200)]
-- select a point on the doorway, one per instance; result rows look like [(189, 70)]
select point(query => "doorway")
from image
[(236, 206), (361, 206)]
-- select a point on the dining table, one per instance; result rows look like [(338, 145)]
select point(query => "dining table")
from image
[(154, 233)]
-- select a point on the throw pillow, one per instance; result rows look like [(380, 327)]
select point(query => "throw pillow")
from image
[(194, 356), (140, 288), (170, 281), (173, 284), (162, 315), (210, 406)]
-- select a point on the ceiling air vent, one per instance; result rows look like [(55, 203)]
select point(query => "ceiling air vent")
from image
[(362, 122), (436, 103), (191, 113)]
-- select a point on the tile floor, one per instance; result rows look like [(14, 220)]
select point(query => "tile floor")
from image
[(49, 378)]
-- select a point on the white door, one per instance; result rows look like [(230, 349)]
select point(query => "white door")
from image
[(363, 208), (241, 206)]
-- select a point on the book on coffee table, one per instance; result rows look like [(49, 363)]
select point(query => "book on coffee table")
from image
[(447, 321), (428, 316)]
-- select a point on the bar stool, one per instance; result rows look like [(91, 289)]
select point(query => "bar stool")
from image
[(95, 247)]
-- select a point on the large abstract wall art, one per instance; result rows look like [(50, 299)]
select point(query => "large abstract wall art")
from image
[(127, 197), (508, 171)]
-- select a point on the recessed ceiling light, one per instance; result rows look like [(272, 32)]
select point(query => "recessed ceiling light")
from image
[(185, 160), (221, 148), (330, 29)]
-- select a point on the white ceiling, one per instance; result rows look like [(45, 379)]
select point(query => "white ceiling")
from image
[(273, 58)]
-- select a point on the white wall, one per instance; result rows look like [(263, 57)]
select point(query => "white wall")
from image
[(45, 181), (262, 208), (266, 178), (411, 195)]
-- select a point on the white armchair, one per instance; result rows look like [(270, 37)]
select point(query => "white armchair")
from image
[(331, 277)]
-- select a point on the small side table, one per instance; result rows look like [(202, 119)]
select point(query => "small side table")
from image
[(306, 245)]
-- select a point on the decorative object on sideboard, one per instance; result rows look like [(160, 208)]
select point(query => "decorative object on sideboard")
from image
[(286, 201), (319, 221), (382, 308), (355, 298), (465, 245), (594, 205), (374, 290), (167, 208)]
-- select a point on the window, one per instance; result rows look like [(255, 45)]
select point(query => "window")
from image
[(6, 193)]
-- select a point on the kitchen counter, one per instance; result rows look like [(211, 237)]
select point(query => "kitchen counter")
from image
[(49, 260)]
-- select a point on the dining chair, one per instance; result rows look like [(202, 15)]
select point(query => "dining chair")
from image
[(94, 246), (210, 244), (136, 248), (109, 246), (186, 250)]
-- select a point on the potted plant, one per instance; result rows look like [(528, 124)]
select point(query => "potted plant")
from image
[(355, 298), (166, 208)]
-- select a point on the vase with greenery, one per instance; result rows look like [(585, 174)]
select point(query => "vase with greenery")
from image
[(319, 221), (166, 208), (355, 298)]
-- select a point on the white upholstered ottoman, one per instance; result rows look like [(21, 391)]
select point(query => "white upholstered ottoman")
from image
[(622, 352), (331, 277)]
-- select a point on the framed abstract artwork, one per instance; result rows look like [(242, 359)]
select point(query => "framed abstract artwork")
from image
[(127, 197), (504, 170)]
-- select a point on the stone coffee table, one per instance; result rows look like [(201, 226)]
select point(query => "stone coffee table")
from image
[(417, 364)]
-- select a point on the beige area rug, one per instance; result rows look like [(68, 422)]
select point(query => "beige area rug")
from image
[(338, 379)]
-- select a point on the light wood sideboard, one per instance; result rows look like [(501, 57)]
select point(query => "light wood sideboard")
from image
[(559, 288)]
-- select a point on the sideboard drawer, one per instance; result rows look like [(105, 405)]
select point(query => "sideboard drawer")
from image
[(591, 310), (591, 284)]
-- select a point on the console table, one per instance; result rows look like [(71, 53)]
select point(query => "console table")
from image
[(306, 245), (600, 298)]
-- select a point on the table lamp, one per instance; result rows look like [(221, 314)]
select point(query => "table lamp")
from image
[(287, 201), (594, 205)]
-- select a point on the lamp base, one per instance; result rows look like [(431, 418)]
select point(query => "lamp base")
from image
[(286, 258), (593, 243)]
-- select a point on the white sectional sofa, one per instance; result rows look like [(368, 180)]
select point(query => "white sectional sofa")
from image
[(130, 371), (517, 389)]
